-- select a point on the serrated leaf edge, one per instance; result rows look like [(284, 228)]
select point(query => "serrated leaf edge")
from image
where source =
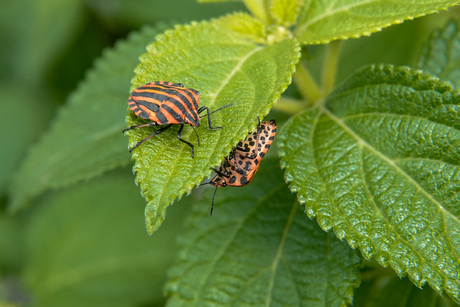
[(364, 32), (342, 234)]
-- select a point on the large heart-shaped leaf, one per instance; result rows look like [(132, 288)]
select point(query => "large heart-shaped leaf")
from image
[(379, 163), (259, 249)]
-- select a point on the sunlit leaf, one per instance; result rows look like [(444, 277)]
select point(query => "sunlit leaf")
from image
[(323, 21), (245, 25), (285, 11), (225, 67)]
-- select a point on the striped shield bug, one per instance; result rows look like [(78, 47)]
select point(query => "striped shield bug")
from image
[(240, 166), (168, 103)]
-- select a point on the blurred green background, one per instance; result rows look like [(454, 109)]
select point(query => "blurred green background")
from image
[(85, 245)]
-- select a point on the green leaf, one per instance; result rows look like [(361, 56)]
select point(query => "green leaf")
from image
[(225, 68), (86, 246), (245, 25), (379, 164), (259, 8), (137, 13), (441, 55), (285, 11), (50, 25), (323, 21), (211, 1), (12, 251), (259, 249), (85, 138), (381, 287), (27, 117)]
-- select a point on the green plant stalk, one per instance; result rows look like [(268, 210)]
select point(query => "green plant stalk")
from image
[(329, 70), (306, 85), (289, 105)]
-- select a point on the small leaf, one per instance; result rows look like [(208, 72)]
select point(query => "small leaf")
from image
[(323, 21), (259, 8), (245, 25), (85, 138), (285, 11), (86, 246), (379, 164), (259, 249), (441, 55), (225, 68)]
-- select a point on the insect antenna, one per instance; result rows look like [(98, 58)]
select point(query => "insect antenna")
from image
[(204, 183), (207, 114), (212, 203)]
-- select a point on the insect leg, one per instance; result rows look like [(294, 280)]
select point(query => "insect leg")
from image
[(220, 173), (209, 117), (139, 126), (179, 133), (200, 110), (152, 135)]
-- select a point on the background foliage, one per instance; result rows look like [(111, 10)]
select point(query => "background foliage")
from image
[(369, 154)]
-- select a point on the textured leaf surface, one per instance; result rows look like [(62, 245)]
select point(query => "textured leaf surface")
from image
[(259, 249), (379, 164), (323, 21), (382, 288), (441, 55), (225, 68), (86, 246), (85, 138)]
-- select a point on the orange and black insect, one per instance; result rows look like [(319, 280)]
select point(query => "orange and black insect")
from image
[(168, 103), (240, 166)]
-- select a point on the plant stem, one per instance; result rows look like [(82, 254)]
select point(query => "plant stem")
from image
[(329, 71), (306, 84), (289, 105)]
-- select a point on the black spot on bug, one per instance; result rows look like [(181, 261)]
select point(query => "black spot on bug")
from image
[(247, 166), (262, 154), (232, 179), (243, 180)]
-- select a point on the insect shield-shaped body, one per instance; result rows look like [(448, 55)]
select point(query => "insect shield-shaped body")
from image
[(167, 103), (240, 166)]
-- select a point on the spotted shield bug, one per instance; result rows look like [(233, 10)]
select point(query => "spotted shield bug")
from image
[(168, 103), (240, 166)]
